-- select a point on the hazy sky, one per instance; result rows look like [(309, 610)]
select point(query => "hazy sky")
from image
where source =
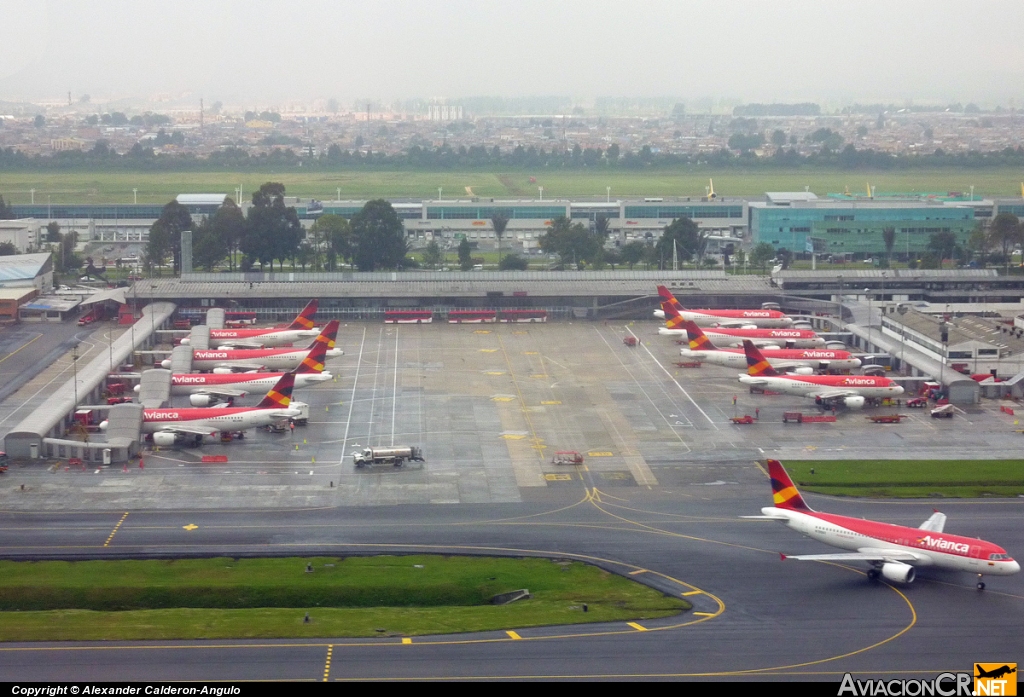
[(260, 52)]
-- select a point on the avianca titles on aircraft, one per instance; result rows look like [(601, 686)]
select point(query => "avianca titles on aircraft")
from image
[(849, 390), (702, 349), (300, 329), (257, 359), (771, 338), (723, 318), (892, 550), (170, 425), (205, 389)]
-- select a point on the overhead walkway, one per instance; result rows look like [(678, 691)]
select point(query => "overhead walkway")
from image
[(41, 434)]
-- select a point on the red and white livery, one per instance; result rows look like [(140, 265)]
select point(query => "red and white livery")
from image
[(849, 390), (804, 361), (301, 329), (893, 551), (261, 359), (722, 318), (768, 338)]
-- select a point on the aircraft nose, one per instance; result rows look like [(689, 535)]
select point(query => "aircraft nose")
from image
[(1012, 567)]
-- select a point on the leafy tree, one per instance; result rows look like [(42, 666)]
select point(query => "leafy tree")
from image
[(7, 249), (889, 239), (64, 257), (432, 255), (39, 121), (465, 255), (500, 222), (165, 234), (778, 138), (1005, 233), (632, 253), (743, 141), (602, 227), (513, 262), (272, 230), (761, 254), (942, 244), (612, 257), (228, 223), (331, 236), (379, 237), (572, 242), (208, 247), (689, 241), (53, 231), (6, 212), (978, 242)]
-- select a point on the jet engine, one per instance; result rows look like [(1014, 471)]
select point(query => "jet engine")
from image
[(166, 363), (898, 572), (203, 400), (164, 439), (185, 342), (223, 371), (802, 370), (854, 402)]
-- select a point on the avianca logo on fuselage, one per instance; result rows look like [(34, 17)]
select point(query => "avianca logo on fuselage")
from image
[(818, 354), (756, 313), (783, 332), (206, 355), (188, 380), (160, 415), (224, 334), (943, 545), (865, 382)]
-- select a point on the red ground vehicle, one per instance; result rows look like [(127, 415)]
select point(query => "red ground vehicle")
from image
[(472, 316), (523, 316), (917, 403)]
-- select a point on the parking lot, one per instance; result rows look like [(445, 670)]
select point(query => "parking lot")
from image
[(490, 405)]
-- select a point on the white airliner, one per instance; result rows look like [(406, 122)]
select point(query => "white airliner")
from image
[(802, 361), (260, 359), (740, 319), (892, 550), (851, 391), (169, 426), (300, 330)]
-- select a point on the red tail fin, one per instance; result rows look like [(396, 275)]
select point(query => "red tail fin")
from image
[(667, 297), (328, 334), (314, 360), (757, 364), (673, 320), (305, 318), (280, 395), (699, 341), (784, 493)]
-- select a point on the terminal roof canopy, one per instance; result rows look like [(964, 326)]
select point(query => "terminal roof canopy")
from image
[(201, 199), (22, 267)]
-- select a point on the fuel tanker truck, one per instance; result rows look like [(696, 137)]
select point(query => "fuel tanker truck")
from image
[(395, 455)]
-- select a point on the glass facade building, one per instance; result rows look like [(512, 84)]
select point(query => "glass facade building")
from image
[(856, 228)]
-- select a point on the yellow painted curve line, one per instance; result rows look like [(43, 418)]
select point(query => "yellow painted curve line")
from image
[(25, 345)]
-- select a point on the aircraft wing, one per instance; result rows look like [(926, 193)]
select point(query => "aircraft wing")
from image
[(240, 368), (188, 430), (735, 324), (828, 395), (222, 392), (935, 523), (868, 555)]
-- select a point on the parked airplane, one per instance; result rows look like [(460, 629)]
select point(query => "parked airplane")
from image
[(849, 390), (768, 338), (748, 319), (269, 337), (892, 550), (206, 389), (803, 361), (227, 360), (171, 425)]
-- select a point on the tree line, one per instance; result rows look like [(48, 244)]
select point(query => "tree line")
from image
[(271, 232), (101, 157)]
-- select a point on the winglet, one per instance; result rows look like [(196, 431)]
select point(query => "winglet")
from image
[(782, 557), (757, 364), (305, 318), (784, 493), (280, 395), (699, 341)]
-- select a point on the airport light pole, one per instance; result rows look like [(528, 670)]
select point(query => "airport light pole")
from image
[(608, 192), (74, 365), (135, 194), (867, 291), (840, 279)]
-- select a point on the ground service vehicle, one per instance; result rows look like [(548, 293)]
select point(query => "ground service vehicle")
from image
[(395, 455)]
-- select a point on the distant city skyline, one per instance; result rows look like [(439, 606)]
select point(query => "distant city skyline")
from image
[(263, 54)]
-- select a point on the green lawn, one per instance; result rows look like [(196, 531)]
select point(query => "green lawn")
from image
[(161, 187), (910, 478), (263, 598)]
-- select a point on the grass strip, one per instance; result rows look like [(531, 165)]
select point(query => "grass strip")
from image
[(910, 478)]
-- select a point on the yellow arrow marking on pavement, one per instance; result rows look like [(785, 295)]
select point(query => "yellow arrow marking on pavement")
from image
[(190, 527), (513, 635), (637, 627), (552, 401), (599, 453)]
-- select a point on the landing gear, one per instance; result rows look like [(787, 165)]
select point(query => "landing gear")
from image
[(873, 574), (981, 584)]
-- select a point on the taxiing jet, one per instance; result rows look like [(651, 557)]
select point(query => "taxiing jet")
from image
[(804, 361), (301, 329), (749, 319), (851, 391), (768, 338), (227, 360), (169, 426), (207, 389), (892, 550)]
